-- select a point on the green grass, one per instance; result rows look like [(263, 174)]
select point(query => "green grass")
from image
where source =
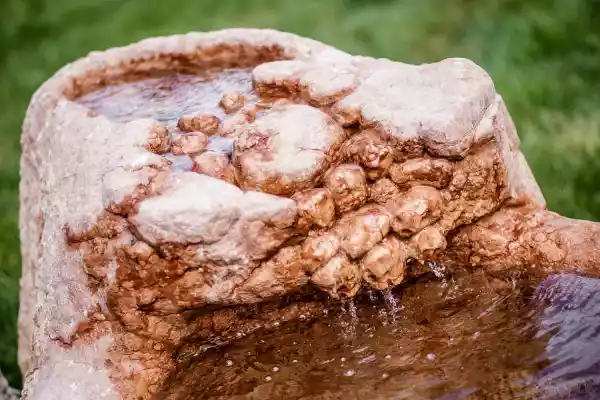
[(543, 55)]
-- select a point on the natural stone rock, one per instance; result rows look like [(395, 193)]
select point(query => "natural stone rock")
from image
[(205, 123), (6, 392), (277, 168)]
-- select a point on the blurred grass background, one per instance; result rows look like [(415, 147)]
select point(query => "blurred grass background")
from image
[(544, 56)]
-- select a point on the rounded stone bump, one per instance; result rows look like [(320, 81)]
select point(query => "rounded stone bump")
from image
[(322, 86), (428, 242), (319, 249), (360, 230), (370, 150), (383, 266), (158, 139), (415, 209), (189, 143), (348, 186), (315, 208), (383, 190), (434, 172), (286, 150), (278, 77), (232, 102), (214, 164), (205, 123), (338, 277)]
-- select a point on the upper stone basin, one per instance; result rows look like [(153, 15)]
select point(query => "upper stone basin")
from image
[(168, 96)]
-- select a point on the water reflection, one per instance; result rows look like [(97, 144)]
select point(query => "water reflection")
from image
[(571, 320)]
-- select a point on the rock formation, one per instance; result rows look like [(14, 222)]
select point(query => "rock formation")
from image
[(6, 392), (182, 192)]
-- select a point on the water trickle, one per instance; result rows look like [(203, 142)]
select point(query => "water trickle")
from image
[(391, 303), (372, 296), (439, 271), (349, 318)]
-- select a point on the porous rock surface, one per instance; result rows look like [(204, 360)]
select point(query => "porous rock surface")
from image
[(145, 241)]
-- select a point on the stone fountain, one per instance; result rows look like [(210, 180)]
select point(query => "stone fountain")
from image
[(183, 192)]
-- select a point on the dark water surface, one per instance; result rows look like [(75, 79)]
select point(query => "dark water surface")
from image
[(469, 337)]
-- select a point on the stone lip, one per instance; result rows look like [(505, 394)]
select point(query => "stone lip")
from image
[(143, 242), (6, 392)]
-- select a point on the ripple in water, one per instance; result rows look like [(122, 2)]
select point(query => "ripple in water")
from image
[(476, 337)]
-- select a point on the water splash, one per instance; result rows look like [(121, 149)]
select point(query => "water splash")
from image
[(439, 271), (391, 303), (349, 318), (372, 296)]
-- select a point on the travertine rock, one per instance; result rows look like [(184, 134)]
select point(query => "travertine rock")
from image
[(6, 392), (179, 212)]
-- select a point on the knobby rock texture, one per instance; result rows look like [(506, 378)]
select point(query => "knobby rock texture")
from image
[(182, 192)]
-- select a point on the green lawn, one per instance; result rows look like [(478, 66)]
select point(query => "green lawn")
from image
[(543, 55)]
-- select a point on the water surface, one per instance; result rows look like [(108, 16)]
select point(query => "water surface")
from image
[(472, 337)]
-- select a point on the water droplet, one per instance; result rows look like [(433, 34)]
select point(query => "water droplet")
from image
[(276, 323), (294, 361), (372, 296), (343, 359), (385, 375), (268, 378), (388, 356), (368, 359), (438, 270), (294, 343), (275, 369), (431, 356), (229, 363), (349, 372), (239, 334)]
